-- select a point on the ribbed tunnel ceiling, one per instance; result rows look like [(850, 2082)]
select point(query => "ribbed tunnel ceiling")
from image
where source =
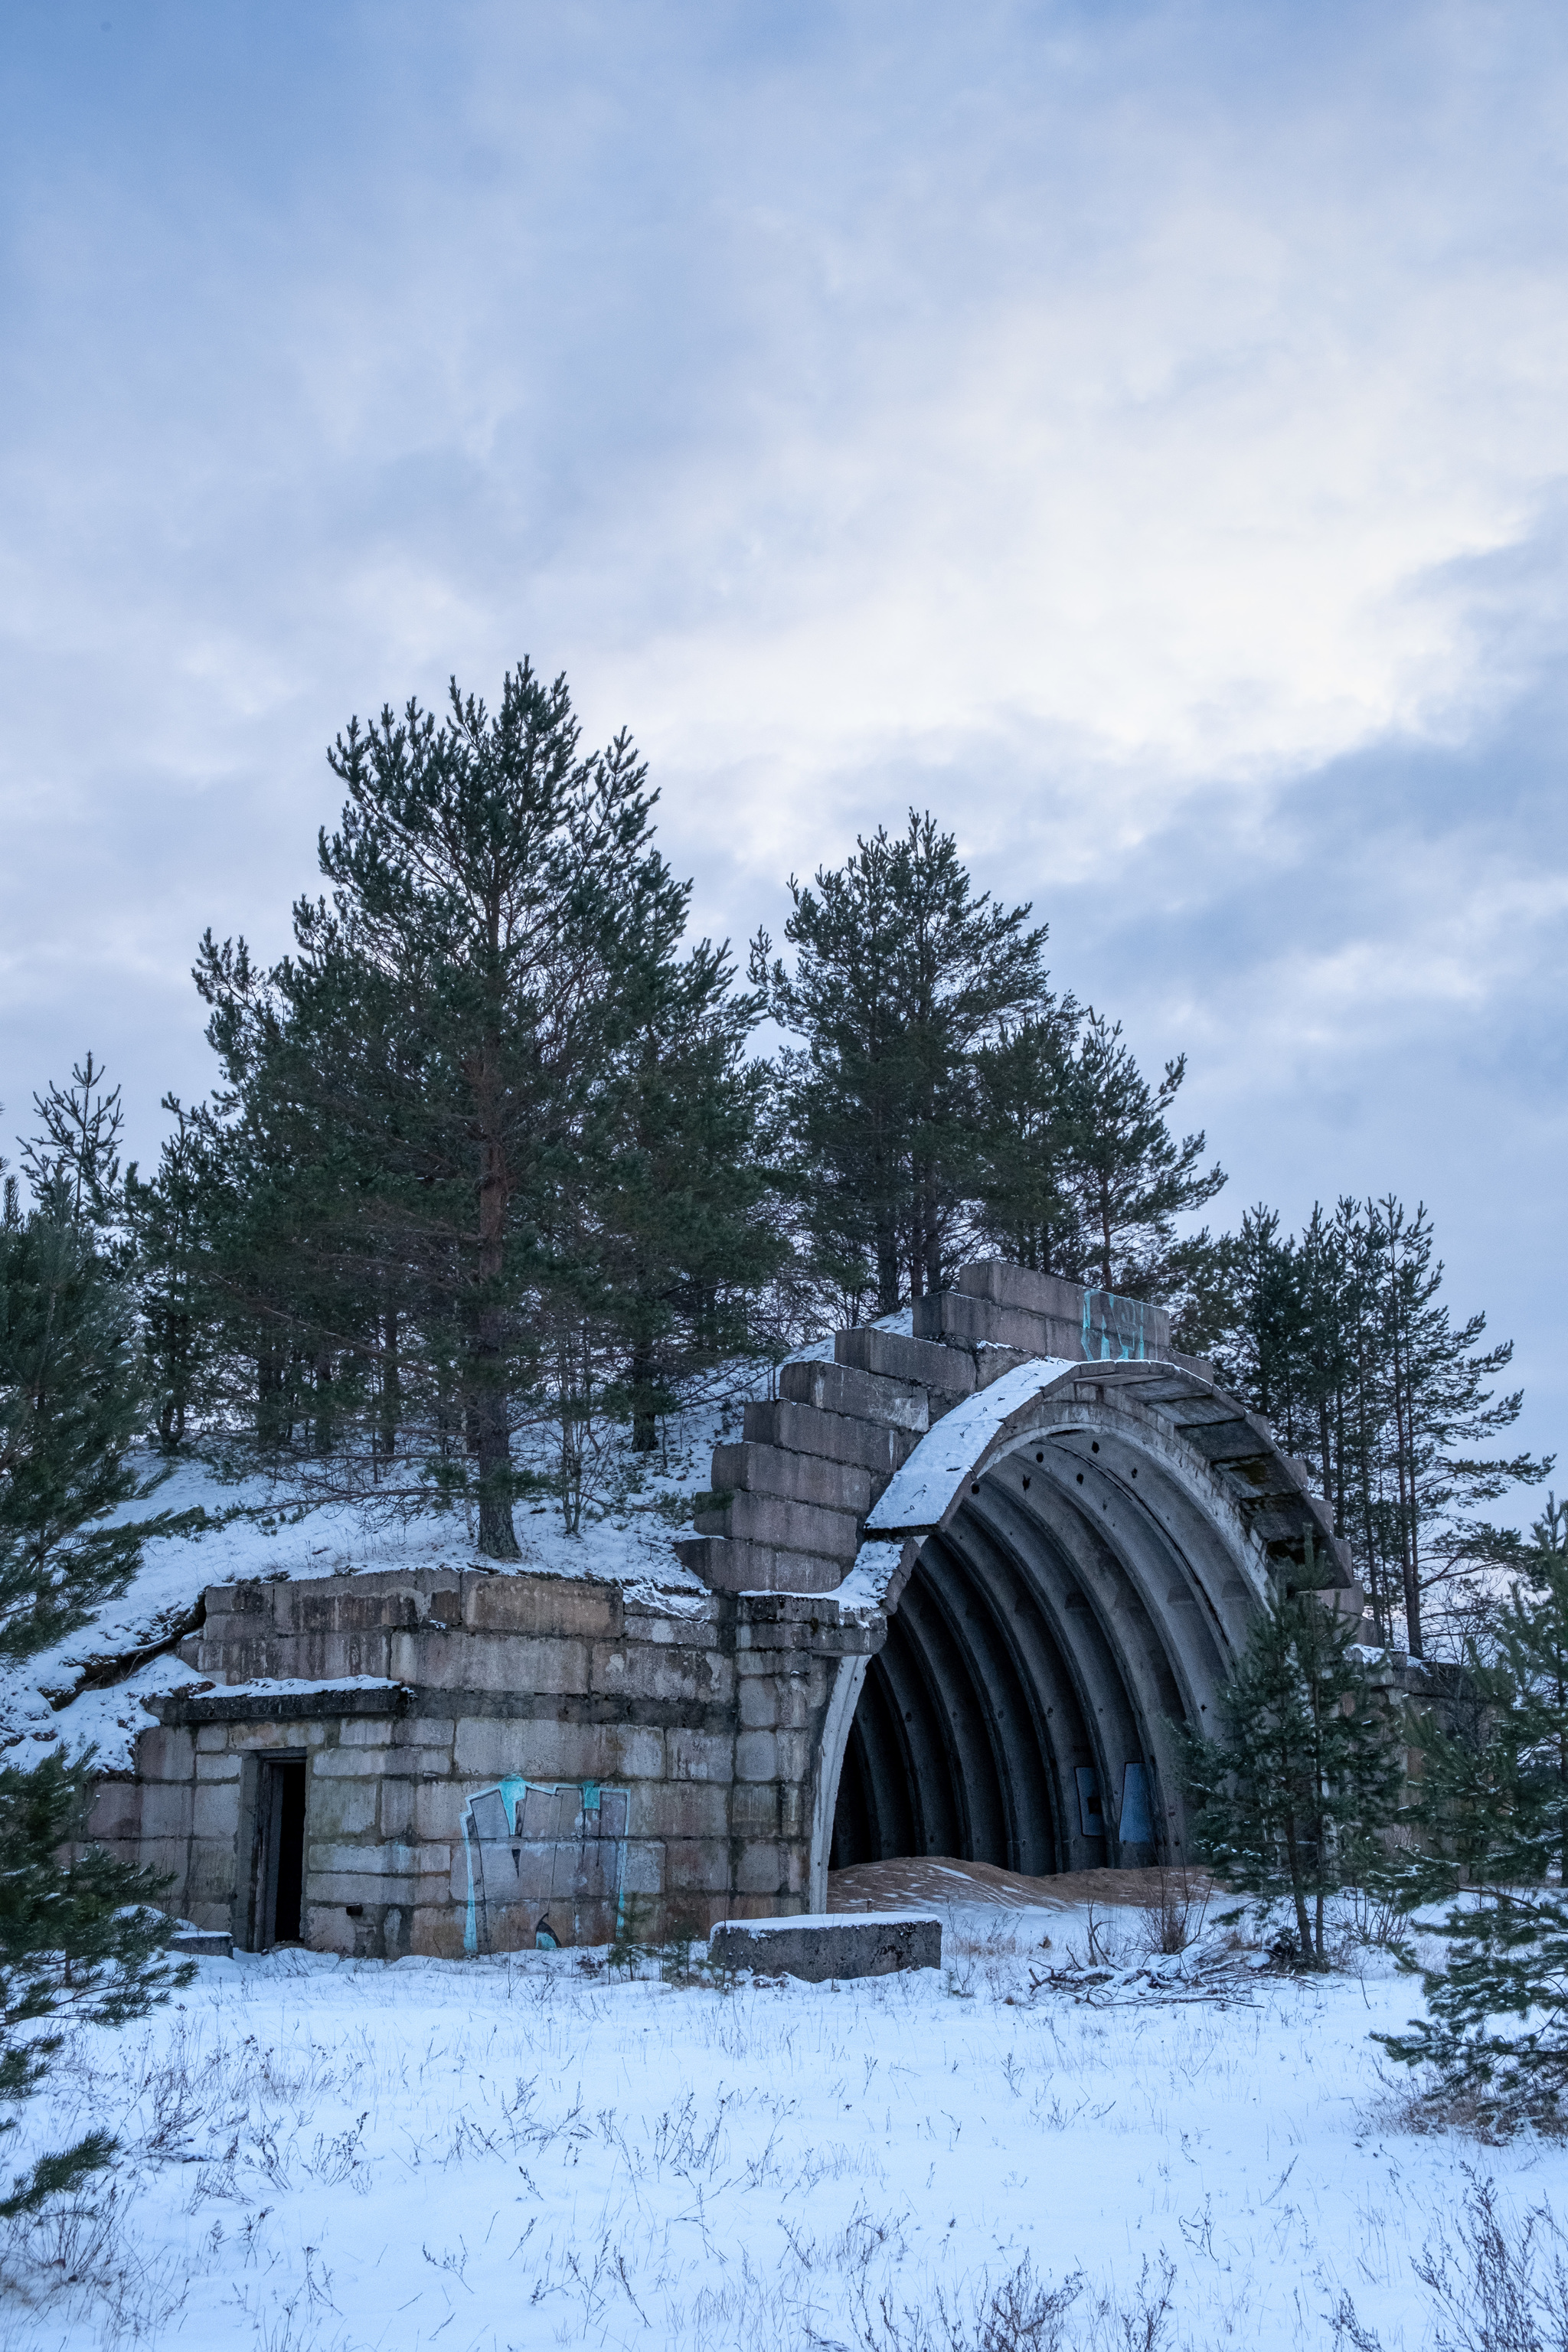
[(1071, 1612)]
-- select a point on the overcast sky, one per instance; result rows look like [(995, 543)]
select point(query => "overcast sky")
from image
[(1137, 433)]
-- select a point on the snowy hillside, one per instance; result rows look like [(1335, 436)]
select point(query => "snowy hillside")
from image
[(639, 1506)]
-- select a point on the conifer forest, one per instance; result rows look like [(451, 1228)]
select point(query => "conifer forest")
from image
[(497, 1149)]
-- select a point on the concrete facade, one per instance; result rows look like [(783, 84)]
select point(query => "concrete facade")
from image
[(704, 1718)]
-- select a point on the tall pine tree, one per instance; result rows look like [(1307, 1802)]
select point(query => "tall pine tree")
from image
[(432, 1097), (900, 977), (1131, 1179)]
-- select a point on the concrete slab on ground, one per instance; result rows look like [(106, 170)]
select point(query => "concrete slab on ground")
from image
[(818, 1949)]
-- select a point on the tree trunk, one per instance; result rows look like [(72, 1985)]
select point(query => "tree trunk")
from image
[(645, 1417), (1293, 1856), (886, 1270), (492, 1434), (391, 1399)]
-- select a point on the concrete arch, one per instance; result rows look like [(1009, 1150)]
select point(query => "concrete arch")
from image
[(1066, 1563)]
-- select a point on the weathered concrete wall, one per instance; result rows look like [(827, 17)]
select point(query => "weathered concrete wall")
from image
[(706, 1712)]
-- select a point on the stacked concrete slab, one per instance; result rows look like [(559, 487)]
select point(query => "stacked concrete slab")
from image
[(791, 1501)]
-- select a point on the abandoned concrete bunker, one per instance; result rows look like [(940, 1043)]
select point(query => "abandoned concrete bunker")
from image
[(955, 1590)]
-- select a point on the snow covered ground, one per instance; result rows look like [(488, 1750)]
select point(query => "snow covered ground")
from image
[(324, 2156)]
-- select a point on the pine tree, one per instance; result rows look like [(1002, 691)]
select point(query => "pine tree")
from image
[(1493, 1811), (1341, 1337), (71, 1405), (681, 1196), (74, 1165), (900, 977), (170, 1218), (80, 1937), (1131, 1179), (427, 1100), (1028, 1139), (1308, 1766), (81, 1941)]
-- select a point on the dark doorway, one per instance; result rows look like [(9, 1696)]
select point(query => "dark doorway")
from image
[(281, 1851)]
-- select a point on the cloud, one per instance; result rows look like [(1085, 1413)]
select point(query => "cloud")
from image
[(1136, 432)]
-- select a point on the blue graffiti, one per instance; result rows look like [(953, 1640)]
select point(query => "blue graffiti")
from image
[(1112, 1329), (555, 1845)]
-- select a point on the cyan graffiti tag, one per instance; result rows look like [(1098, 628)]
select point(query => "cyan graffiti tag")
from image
[(549, 1847), (1112, 1329)]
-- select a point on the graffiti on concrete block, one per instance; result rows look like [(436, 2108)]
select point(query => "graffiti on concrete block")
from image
[(1112, 1329), (545, 1861), (1136, 1826)]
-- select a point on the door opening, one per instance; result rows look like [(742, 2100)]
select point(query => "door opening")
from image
[(279, 1910)]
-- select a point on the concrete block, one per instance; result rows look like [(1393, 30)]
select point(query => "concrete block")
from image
[(165, 1755), (686, 1810), (993, 1363), (215, 1811), (203, 1943), (865, 1350), (757, 1755), (210, 1737), (644, 1671), (798, 1477), (169, 1856), (114, 1813), (784, 1526), (366, 1731), (218, 1767), (342, 1808), (876, 1446), (700, 1755), (1068, 1311), (334, 1888), (167, 1808), (428, 1731), (759, 1701), (395, 1807), (643, 1872), (754, 1809), (438, 1810), (436, 1934), (729, 1567), (543, 1605), (1019, 1286), (760, 1870), (837, 1388), (958, 1320), (327, 1857), (820, 1950), (487, 1746), (637, 1752), (343, 1764), (696, 1866)]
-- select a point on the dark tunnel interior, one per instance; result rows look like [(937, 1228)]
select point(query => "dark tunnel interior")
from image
[(996, 1721)]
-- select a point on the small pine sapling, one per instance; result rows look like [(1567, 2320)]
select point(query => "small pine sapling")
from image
[(1290, 1797), (1494, 1811), (80, 1940)]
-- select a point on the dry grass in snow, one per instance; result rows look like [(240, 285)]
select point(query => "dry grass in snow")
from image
[(1036, 2147)]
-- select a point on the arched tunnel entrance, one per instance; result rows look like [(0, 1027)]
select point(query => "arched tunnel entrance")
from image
[(1072, 1576)]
